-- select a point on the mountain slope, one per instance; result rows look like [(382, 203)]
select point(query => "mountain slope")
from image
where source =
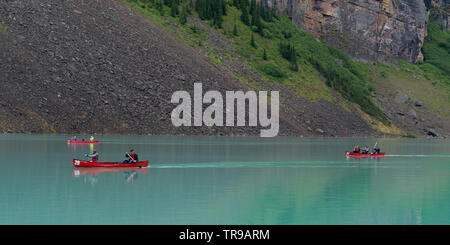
[(257, 64), (98, 67), (90, 66)]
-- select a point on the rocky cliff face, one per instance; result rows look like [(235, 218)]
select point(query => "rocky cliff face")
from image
[(440, 12), (368, 30)]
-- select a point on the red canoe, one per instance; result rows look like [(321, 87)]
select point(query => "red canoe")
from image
[(82, 142), (364, 155), (86, 164)]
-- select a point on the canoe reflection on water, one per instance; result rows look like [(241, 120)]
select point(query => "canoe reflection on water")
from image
[(92, 173), (365, 158)]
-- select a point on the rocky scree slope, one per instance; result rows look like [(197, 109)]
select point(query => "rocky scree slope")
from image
[(98, 67)]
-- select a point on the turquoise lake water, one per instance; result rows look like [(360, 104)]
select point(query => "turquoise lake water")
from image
[(224, 180)]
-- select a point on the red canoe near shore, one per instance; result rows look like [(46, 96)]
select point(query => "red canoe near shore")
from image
[(86, 164), (364, 155), (82, 142)]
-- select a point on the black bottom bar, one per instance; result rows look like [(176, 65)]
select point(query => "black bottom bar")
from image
[(204, 234)]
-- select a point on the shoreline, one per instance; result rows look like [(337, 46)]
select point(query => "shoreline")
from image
[(237, 136)]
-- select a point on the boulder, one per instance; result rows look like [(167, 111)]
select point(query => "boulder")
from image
[(412, 113), (431, 132), (401, 98)]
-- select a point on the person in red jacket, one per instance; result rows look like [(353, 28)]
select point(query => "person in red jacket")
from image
[(132, 157)]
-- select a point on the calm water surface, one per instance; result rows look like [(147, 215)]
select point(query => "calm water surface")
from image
[(225, 180)]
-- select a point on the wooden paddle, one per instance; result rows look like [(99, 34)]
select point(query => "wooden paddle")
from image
[(87, 155), (132, 159)]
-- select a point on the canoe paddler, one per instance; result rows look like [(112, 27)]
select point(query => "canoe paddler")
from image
[(356, 149), (132, 157), (366, 150), (376, 150), (92, 138), (94, 156)]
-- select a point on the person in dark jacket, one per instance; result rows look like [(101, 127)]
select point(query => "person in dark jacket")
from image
[(132, 157), (94, 156), (376, 150)]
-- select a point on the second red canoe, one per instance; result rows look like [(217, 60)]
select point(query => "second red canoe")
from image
[(82, 142), (364, 155)]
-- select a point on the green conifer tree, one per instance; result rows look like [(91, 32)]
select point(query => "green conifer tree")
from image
[(293, 58), (183, 16), (244, 16), (174, 9), (160, 7), (252, 41)]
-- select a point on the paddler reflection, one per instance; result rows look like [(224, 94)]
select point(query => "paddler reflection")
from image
[(91, 174)]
